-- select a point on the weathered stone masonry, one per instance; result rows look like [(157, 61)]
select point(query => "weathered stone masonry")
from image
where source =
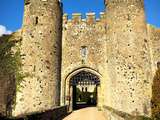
[(154, 36), (79, 34), (40, 50), (128, 57)]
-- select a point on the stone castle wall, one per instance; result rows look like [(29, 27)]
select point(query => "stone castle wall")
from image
[(154, 36), (119, 47), (83, 45)]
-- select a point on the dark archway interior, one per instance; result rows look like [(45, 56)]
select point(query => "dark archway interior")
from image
[(84, 89)]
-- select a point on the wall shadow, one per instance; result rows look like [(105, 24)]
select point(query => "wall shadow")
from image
[(155, 102), (57, 113), (126, 116)]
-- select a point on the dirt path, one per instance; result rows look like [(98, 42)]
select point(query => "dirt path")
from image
[(89, 113)]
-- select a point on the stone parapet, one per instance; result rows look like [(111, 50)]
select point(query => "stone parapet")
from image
[(89, 19)]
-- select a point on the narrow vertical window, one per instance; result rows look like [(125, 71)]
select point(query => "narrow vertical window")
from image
[(36, 20), (82, 89), (158, 65), (86, 89), (84, 52)]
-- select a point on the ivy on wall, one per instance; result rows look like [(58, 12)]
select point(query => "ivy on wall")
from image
[(10, 61)]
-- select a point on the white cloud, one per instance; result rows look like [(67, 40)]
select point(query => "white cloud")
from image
[(3, 30)]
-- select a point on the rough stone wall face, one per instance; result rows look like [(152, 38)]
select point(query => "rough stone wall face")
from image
[(128, 57), (124, 52), (40, 50), (154, 35), (83, 46)]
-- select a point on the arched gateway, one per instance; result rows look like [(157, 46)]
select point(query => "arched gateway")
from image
[(82, 88)]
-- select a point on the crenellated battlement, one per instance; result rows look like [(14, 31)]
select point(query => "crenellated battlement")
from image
[(77, 18)]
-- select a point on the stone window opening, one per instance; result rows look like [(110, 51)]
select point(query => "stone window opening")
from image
[(86, 89), (84, 53), (158, 65), (36, 20), (82, 89)]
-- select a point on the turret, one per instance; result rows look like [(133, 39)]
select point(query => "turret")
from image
[(40, 51), (128, 59)]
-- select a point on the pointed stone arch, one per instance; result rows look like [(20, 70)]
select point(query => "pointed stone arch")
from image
[(68, 88)]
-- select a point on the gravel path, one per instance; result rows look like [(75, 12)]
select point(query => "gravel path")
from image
[(89, 113)]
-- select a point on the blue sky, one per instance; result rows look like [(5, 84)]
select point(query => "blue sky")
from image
[(11, 11)]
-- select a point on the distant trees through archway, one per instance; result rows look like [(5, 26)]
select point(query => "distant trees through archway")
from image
[(84, 89)]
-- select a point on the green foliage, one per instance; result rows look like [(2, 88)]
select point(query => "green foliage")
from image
[(8, 62), (78, 93), (10, 59), (152, 26), (95, 93), (85, 96)]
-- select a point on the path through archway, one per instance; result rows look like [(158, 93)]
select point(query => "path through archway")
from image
[(84, 89)]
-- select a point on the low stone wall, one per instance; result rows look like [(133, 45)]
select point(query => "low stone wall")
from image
[(57, 113), (114, 114)]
